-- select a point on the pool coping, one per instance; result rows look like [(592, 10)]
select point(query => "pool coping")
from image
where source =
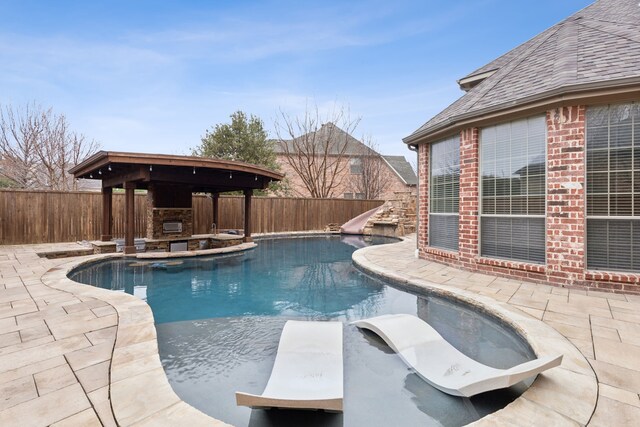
[(140, 392), (575, 380)]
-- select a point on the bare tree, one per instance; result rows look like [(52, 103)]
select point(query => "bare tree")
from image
[(37, 148), (20, 132), (374, 175), (413, 161), (317, 149)]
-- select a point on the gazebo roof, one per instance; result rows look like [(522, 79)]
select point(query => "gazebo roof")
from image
[(201, 173)]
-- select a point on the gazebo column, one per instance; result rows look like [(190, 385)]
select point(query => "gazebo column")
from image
[(107, 215), (247, 215), (129, 217), (215, 199)]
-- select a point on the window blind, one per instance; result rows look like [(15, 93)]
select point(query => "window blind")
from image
[(513, 188), (444, 187), (613, 187)]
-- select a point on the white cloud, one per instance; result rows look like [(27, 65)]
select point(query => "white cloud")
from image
[(252, 37), (158, 90)]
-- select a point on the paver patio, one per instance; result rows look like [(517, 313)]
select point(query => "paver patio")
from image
[(69, 353)]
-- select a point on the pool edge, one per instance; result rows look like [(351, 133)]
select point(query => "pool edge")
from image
[(140, 392), (540, 401)]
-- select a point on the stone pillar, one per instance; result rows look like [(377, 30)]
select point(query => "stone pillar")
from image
[(129, 218), (247, 215), (151, 203), (107, 214), (565, 245), (468, 226), (215, 200)]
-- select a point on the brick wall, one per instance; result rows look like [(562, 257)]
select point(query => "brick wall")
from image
[(466, 256), (468, 227), (344, 182), (566, 195), (565, 214), (423, 199)]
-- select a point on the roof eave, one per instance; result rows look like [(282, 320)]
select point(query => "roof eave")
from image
[(89, 161), (103, 158), (620, 89), (398, 174), (469, 82), (394, 171)]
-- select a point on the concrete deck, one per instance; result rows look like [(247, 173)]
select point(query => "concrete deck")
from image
[(73, 354)]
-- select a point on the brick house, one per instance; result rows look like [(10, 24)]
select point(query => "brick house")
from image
[(349, 153), (535, 171)]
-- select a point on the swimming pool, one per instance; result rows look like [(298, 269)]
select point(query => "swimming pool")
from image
[(219, 319)]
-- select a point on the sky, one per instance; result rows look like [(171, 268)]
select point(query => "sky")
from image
[(154, 76)]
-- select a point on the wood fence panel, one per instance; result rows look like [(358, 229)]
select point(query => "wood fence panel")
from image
[(231, 212), (49, 216), (202, 214)]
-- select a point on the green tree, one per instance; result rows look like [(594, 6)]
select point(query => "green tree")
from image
[(244, 140), (6, 183)]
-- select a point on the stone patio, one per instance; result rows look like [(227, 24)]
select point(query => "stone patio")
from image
[(73, 354)]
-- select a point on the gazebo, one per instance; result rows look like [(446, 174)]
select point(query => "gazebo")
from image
[(170, 181)]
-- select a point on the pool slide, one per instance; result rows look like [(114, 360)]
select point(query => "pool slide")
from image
[(307, 372), (353, 240), (442, 365), (356, 225)]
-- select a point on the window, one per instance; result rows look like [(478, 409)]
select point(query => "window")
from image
[(359, 196), (613, 187), (512, 172), (348, 195), (444, 186), (355, 166)]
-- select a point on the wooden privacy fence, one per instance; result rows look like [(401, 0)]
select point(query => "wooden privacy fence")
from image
[(49, 216)]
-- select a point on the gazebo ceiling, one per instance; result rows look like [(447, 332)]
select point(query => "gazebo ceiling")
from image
[(201, 173)]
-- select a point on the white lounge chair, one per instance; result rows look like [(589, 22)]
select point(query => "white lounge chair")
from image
[(307, 372), (442, 365)]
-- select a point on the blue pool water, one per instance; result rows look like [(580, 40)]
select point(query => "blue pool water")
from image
[(219, 320)]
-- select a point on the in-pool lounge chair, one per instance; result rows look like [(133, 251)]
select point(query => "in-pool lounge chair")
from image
[(442, 365), (307, 372)]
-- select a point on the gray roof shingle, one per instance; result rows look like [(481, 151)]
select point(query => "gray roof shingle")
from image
[(402, 167), (337, 137), (600, 43)]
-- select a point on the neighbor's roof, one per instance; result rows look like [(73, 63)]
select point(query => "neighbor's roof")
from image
[(402, 168), (328, 132), (597, 48)]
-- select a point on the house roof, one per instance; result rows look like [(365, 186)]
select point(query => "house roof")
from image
[(402, 168), (327, 132), (595, 49), (330, 131)]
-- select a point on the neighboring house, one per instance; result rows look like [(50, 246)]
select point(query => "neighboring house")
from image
[(535, 172), (351, 159)]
